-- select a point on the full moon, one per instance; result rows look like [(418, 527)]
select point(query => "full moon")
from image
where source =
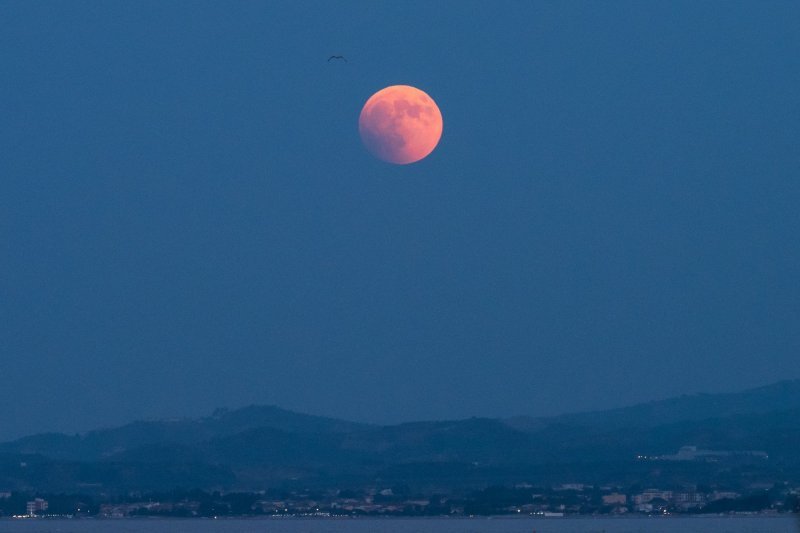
[(400, 124)]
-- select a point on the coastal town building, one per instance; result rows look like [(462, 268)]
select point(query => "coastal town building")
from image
[(615, 498), (36, 506)]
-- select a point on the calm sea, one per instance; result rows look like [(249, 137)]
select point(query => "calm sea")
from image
[(716, 524)]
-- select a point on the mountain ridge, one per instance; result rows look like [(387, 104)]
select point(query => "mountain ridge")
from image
[(784, 394), (697, 406), (256, 445)]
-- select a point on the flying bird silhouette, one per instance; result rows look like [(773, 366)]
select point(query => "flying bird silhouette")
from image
[(338, 57)]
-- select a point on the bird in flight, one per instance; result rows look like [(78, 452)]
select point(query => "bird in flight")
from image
[(338, 57)]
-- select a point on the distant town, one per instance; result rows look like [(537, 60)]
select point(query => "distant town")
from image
[(522, 499)]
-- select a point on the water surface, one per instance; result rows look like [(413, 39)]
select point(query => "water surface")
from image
[(705, 524)]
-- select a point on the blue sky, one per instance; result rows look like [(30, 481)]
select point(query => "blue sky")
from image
[(188, 219)]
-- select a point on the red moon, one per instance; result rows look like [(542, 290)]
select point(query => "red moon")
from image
[(400, 124)]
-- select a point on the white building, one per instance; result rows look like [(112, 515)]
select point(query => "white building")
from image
[(651, 494), (36, 506)]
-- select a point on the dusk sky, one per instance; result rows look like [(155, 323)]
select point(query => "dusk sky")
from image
[(189, 219)]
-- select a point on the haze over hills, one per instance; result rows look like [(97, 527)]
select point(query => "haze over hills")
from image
[(781, 395), (101, 443), (265, 446)]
